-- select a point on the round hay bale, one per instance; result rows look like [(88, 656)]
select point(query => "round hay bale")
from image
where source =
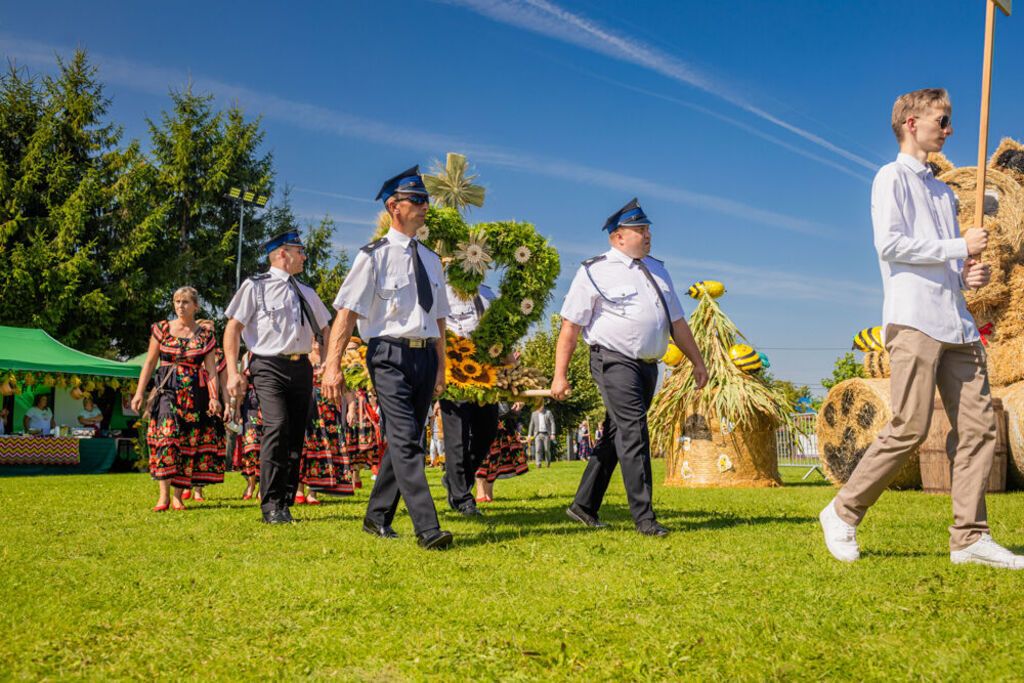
[(707, 452), (1008, 229), (851, 416), (1005, 361), (876, 364), (1013, 404)]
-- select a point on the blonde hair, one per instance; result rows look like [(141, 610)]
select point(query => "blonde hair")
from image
[(914, 103), (207, 323), (190, 292)]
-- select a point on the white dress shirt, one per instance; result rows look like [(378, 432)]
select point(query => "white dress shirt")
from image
[(618, 308), (275, 325), (919, 252), (462, 315), (381, 290)]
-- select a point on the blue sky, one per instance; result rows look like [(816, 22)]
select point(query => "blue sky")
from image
[(750, 131)]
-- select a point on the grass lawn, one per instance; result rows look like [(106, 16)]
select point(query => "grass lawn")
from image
[(95, 585)]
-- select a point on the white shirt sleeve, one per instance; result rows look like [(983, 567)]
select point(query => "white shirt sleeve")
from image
[(356, 292), (894, 235), (323, 316), (578, 306), (243, 305), (675, 308)]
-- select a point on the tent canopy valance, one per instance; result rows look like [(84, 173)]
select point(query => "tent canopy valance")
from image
[(35, 350)]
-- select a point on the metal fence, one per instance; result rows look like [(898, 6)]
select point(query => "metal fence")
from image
[(798, 447)]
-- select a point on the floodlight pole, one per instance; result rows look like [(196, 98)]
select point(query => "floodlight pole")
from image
[(241, 224)]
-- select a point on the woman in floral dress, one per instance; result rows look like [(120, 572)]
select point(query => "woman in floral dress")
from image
[(182, 347), (325, 466), (211, 451), (252, 430), (507, 457)]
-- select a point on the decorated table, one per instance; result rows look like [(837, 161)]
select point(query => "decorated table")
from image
[(38, 450), (31, 455)]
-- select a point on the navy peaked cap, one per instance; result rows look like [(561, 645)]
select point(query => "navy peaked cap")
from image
[(289, 237), (407, 182), (629, 215)]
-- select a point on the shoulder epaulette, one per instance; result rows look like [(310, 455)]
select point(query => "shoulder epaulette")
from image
[(586, 268), (374, 245), (591, 261), (260, 276)]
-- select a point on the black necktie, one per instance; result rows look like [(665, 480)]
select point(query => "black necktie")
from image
[(478, 304), (423, 288), (661, 297), (307, 314)]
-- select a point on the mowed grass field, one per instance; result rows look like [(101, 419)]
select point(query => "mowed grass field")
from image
[(95, 585)]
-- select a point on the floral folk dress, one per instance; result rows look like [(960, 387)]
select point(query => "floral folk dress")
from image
[(174, 427), (507, 457), (211, 449), (252, 429), (325, 465)]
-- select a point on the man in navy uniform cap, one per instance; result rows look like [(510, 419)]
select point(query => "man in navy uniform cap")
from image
[(278, 317), (625, 305), (396, 292)]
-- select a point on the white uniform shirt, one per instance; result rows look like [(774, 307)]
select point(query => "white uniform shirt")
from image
[(462, 316), (618, 308), (919, 250), (381, 290), (276, 326)]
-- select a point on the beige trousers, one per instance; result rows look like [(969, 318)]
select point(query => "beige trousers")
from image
[(920, 364)]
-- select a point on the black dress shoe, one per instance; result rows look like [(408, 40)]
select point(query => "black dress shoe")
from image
[(469, 510), (274, 517), (288, 516), (434, 540), (584, 517), (374, 529), (651, 528)]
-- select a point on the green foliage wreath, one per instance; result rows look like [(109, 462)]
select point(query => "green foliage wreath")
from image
[(531, 267)]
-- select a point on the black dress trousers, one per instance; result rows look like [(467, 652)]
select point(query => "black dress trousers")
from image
[(404, 380), (283, 388), (627, 388), (469, 431)]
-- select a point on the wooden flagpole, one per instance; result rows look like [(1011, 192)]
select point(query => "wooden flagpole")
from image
[(986, 93)]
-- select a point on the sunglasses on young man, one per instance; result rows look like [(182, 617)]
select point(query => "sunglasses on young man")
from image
[(943, 122)]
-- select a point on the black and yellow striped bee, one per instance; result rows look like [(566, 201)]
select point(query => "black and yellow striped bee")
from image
[(869, 339)]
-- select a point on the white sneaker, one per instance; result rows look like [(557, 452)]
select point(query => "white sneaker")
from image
[(840, 537), (987, 551)]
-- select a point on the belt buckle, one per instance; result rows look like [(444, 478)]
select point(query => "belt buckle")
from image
[(294, 356), (417, 343)]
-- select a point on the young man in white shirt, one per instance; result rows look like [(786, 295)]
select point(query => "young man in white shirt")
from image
[(932, 340)]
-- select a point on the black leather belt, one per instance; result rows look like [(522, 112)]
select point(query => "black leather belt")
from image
[(419, 343), (292, 356), (598, 347)]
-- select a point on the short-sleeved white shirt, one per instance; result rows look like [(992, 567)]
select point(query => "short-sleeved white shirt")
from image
[(381, 290), (39, 420), (618, 308), (463, 317), (276, 326)]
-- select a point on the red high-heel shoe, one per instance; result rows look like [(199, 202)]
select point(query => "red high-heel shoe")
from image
[(186, 495), (359, 483), (175, 506), (160, 508), (300, 499), (312, 501), (246, 496)]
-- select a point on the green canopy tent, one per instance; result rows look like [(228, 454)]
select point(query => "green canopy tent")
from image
[(35, 350), (31, 350)]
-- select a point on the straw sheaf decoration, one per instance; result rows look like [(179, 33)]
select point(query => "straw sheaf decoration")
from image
[(735, 414)]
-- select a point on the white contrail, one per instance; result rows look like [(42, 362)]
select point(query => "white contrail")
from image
[(156, 80), (541, 16)]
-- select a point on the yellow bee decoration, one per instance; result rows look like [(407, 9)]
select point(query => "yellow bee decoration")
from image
[(714, 289), (673, 355), (869, 339), (745, 358)]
